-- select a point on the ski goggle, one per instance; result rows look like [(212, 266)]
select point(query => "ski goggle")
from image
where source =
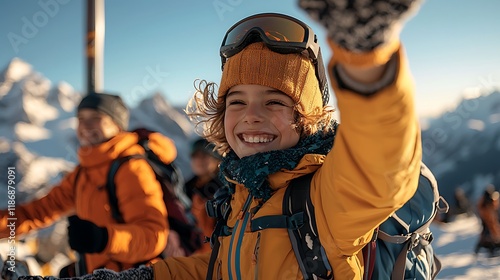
[(280, 33)]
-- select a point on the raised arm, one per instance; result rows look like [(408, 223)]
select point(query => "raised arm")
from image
[(373, 167)]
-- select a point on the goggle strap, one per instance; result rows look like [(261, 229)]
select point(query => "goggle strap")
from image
[(321, 75)]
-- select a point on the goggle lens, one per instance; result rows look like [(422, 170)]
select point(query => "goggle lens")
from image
[(274, 28)]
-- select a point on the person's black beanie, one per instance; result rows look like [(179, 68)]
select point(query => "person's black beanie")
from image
[(109, 104), (202, 145)]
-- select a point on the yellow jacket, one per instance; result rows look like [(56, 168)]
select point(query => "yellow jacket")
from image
[(372, 170), (143, 235)]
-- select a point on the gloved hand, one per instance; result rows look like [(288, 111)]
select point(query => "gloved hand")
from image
[(39, 278), (13, 269), (140, 273), (360, 25), (85, 236)]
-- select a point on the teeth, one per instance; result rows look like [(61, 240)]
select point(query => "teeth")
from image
[(257, 138)]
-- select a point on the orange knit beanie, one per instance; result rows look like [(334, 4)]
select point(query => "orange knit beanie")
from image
[(293, 74)]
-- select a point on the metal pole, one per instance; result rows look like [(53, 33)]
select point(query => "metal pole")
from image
[(95, 45), (95, 72)]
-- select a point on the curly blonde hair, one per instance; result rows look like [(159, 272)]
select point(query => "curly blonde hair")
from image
[(207, 113)]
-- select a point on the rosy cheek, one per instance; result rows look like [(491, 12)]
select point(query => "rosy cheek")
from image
[(282, 123)]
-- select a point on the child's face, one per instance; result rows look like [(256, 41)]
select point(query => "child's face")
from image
[(259, 119)]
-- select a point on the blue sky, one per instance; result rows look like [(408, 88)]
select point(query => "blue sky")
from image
[(158, 45)]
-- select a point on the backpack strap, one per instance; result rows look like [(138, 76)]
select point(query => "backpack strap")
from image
[(300, 221), (298, 218), (369, 255), (214, 240), (312, 259), (221, 229), (172, 187), (438, 265), (293, 222), (422, 234), (219, 208), (111, 187)]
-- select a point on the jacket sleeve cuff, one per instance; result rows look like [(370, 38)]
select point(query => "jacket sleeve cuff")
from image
[(379, 56), (346, 82)]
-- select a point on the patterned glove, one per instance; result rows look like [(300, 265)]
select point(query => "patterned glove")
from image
[(40, 278), (140, 273), (12, 269), (361, 25), (85, 236)]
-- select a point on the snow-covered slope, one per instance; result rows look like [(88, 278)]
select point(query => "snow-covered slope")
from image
[(454, 245)]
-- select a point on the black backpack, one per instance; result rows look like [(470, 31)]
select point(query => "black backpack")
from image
[(170, 178)]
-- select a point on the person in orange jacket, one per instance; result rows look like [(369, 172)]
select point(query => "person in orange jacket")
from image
[(271, 121), (487, 207), (203, 185), (104, 243)]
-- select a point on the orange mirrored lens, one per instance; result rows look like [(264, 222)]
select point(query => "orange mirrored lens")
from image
[(275, 28)]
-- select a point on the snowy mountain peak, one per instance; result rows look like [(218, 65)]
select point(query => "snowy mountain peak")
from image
[(156, 108), (27, 96), (484, 108), (156, 101), (64, 97), (16, 70)]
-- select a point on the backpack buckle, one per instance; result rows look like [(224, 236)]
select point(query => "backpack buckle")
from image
[(220, 206), (428, 237), (296, 221), (414, 240)]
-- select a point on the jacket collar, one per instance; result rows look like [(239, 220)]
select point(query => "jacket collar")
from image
[(107, 151), (308, 164)]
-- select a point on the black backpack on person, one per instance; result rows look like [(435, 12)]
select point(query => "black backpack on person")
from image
[(170, 178)]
